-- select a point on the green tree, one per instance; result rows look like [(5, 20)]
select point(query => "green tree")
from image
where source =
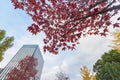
[(108, 67), (5, 43)]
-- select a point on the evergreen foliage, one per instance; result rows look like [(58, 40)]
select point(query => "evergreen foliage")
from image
[(108, 67)]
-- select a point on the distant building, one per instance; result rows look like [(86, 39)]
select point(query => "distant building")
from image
[(1, 69), (26, 50)]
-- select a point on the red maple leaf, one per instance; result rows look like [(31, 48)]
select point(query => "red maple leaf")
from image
[(65, 21), (116, 25)]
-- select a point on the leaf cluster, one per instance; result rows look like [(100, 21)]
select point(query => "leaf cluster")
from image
[(86, 74), (26, 70), (116, 40), (5, 43), (108, 67), (65, 21)]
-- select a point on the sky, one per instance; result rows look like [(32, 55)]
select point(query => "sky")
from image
[(89, 50)]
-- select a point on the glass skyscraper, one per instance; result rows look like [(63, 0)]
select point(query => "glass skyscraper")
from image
[(26, 50)]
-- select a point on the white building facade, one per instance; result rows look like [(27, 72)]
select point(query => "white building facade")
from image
[(26, 50)]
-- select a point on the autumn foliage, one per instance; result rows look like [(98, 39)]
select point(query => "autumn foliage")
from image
[(116, 40), (26, 70), (65, 21), (86, 74)]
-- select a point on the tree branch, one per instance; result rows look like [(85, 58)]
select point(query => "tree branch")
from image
[(101, 12)]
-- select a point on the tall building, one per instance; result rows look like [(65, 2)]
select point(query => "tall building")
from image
[(26, 50)]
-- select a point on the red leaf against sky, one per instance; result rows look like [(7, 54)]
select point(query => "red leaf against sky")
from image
[(116, 25), (65, 21)]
